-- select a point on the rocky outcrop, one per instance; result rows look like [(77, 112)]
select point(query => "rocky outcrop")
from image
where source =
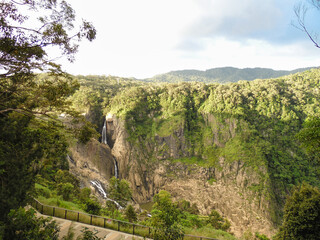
[(145, 165), (91, 162), (224, 188)]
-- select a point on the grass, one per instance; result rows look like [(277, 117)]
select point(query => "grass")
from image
[(209, 232), (191, 160)]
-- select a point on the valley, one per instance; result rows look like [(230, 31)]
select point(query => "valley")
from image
[(229, 147)]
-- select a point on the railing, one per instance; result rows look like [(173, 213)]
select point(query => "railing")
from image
[(121, 226)]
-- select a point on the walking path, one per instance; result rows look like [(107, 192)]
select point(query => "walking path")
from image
[(103, 233)]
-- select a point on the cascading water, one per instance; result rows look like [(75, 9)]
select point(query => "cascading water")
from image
[(97, 185), (104, 133), (70, 159), (116, 171), (104, 141)]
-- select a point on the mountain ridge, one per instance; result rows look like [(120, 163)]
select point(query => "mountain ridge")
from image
[(222, 74)]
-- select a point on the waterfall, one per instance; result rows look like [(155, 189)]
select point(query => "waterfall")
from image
[(70, 159), (104, 132), (116, 171), (97, 185)]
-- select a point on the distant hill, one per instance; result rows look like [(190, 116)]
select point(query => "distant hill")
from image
[(222, 75)]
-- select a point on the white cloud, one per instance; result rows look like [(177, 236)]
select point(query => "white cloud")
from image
[(142, 38)]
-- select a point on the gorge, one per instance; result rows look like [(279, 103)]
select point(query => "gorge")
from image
[(226, 147)]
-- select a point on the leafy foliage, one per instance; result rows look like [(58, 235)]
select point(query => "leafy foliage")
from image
[(119, 190), (301, 215), (88, 234), (254, 122), (218, 222), (310, 136), (220, 75), (31, 135), (22, 224), (130, 214), (165, 217)]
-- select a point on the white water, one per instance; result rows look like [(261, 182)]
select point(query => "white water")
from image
[(104, 133), (115, 168), (99, 187), (103, 193), (70, 159)]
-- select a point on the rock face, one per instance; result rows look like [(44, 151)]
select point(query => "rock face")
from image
[(145, 166), (92, 162), (223, 188)]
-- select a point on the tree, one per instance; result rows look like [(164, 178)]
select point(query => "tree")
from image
[(301, 11), (130, 214), (24, 224), (165, 218), (309, 136), (119, 191), (29, 128), (301, 215), (92, 206)]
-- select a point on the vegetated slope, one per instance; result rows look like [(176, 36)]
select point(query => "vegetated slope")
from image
[(222, 75), (240, 134)]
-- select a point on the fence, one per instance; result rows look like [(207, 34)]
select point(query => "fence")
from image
[(121, 226)]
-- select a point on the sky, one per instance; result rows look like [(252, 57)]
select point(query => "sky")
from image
[(143, 38)]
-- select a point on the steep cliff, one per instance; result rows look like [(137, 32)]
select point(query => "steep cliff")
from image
[(229, 147), (223, 187)]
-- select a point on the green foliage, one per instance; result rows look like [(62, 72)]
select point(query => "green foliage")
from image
[(253, 123), (165, 217), (65, 190), (84, 194), (261, 236), (30, 131), (88, 234), (220, 75), (24, 142), (185, 206), (301, 215), (92, 206), (119, 190), (309, 136), (22, 224), (218, 222), (130, 214)]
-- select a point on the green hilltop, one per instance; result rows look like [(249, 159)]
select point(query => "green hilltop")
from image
[(221, 75)]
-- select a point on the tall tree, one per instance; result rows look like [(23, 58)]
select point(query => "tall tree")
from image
[(30, 31), (301, 215), (165, 218)]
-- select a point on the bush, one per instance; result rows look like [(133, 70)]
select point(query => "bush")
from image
[(301, 215), (22, 224), (218, 222), (130, 214), (92, 207)]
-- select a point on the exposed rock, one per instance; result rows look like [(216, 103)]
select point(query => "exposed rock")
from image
[(92, 161), (224, 188)]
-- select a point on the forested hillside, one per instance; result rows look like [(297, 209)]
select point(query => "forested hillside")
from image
[(221, 75), (254, 122)]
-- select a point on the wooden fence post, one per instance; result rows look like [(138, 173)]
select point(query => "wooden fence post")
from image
[(90, 219), (118, 226), (78, 217), (65, 214), (104, 222), (53, 211), (133, 229)]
